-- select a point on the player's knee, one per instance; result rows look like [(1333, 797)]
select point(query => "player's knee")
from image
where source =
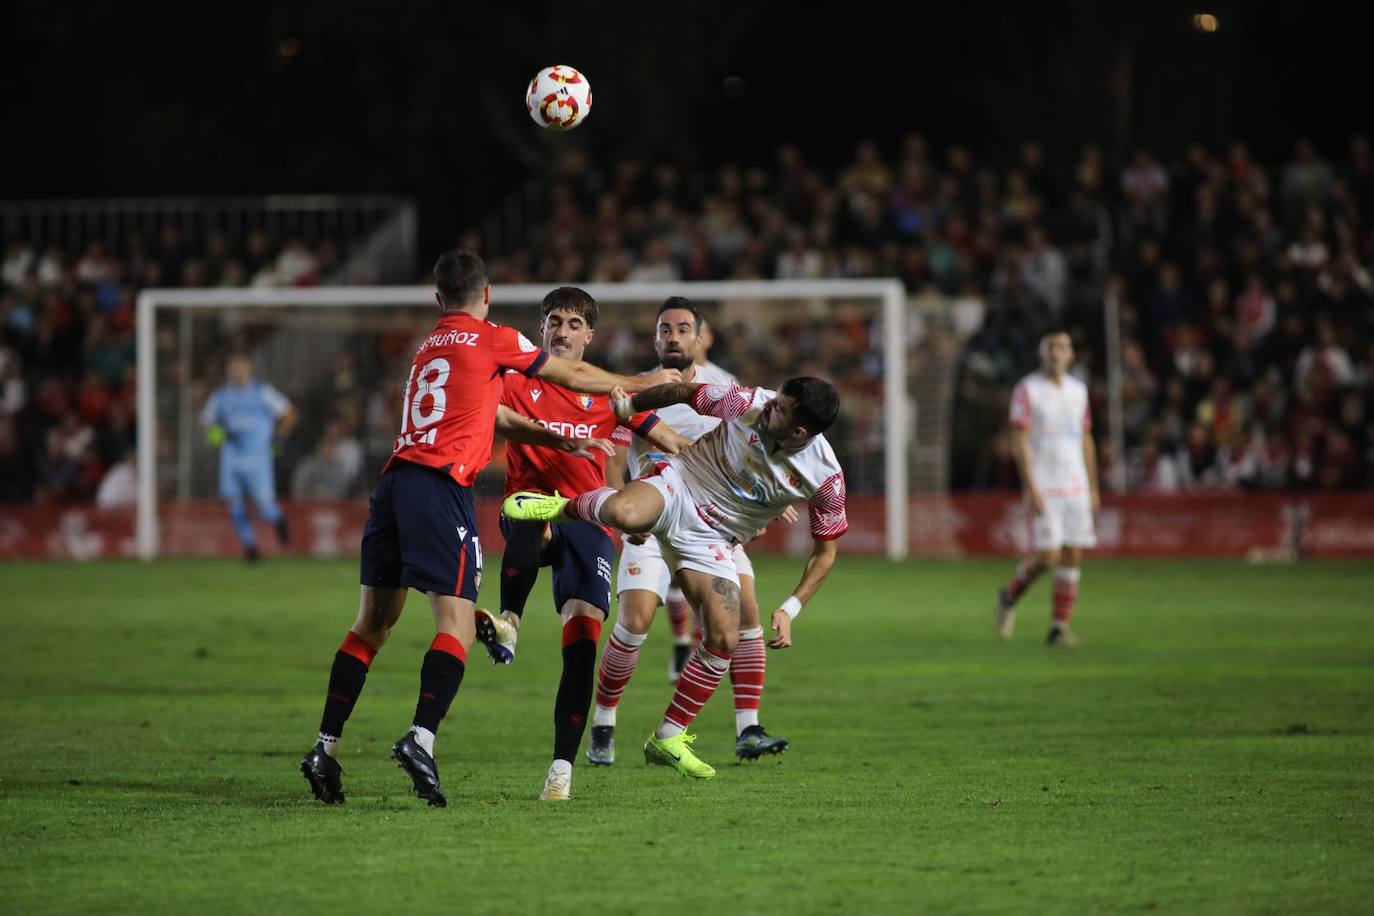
[(635, 616), (1070, 556), (1049, 558), (722, 643)]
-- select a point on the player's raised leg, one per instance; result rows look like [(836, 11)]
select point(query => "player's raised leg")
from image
[(716, 594), (378, 611), (632, 509)]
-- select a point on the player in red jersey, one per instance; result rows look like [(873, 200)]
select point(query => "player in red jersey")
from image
[(421, 529), (580, 553)]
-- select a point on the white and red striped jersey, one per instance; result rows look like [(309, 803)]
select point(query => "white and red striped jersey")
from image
[(741, 480), (644, 456), (1058, 417)]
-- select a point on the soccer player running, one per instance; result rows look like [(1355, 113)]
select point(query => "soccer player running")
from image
[(580, 553), (421, 530), (243, 417), (767, 453), (646, 581), (1053, 447)]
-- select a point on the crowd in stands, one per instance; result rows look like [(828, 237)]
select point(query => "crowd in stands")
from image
[(1243, 289), (67, 371)]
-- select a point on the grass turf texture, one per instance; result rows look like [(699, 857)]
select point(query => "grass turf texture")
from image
[(1208, 749)]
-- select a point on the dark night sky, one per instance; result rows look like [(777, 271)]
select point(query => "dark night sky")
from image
[(105, 98)]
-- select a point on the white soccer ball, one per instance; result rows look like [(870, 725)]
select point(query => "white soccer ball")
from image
[(559, 98)]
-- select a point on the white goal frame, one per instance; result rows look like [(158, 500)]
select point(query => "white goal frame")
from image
[(890, 293)]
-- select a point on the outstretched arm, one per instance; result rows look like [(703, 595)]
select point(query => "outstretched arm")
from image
[(818, 566), (589, 379), (652, 398), (516, 428)]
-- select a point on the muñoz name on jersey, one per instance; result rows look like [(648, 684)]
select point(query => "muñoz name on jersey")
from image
[(448, 415)]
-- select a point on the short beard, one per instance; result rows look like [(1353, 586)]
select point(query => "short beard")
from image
[(676, 361)]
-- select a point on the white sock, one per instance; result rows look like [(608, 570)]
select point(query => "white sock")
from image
[(330, 743), (745, 718), (423, 737), (604, 715), (668, 729), (560, 768)]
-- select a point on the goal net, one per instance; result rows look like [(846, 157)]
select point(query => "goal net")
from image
[(339, 355)]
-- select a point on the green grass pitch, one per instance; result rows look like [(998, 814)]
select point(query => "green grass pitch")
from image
[(1210, 748)]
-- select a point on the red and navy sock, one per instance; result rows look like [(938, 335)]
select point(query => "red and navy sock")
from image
[(346, 679), (440, 675), (580, 635), (520, 564)]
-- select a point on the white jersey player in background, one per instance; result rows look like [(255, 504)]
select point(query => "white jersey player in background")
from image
[(767, 454), (1053, 446), (645, 581)]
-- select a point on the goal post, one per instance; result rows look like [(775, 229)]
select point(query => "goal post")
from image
[(309, 308)]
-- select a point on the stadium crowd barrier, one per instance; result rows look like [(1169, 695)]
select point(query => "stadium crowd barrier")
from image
[(1262, 526)]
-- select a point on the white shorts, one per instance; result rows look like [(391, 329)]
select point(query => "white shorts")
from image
[(1067, 522), (642, 567), (686, 540)]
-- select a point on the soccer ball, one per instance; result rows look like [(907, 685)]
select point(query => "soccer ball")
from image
[(559, 98)]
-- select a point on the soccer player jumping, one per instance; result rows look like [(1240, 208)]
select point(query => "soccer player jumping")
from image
[(580, 553), (421, 529), (1053, 446), (646, 581), (767, 453)]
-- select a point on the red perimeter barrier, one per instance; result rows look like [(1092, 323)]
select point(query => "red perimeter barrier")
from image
[(1258, 526)]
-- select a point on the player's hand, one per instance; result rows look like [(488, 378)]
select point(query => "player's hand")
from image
[(622, 403), (782, 626), (215, 435), (587, 448), (1037, 502), (662, 377), (789, 514)]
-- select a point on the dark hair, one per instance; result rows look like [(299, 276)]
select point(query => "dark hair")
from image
[(572, 299), (461, 276), (816, 401), (687, 305)]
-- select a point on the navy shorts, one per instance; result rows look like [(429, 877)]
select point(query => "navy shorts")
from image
[(581, 555), (421, 533)]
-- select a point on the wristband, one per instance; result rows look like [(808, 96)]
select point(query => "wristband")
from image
[(791, 606)]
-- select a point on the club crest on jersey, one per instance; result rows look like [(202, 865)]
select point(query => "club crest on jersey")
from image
[(535, 393), (586, 401), (633, 570)]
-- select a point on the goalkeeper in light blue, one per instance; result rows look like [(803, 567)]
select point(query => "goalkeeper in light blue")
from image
[(243, 418)]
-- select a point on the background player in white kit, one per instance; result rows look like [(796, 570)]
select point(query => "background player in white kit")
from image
[(645, 580), (1053, 447), (768, 453)]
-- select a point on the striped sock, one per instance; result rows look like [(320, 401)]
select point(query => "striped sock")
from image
[(587, 507), (1026, 574), (1065, 594), (699, 680), (746, 677), (618, 662)]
